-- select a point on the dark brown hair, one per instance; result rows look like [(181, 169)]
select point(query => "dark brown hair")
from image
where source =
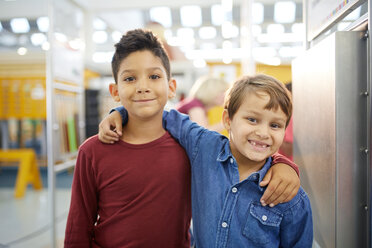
[(138, 40), (279, 95)]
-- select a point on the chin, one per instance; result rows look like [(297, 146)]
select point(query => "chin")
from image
[(258, 157)]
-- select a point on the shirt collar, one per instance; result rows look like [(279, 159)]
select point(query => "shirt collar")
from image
[(261, 173), (225, 152)]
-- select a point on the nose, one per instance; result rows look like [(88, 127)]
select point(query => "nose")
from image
[(142, 86), (262, 131)]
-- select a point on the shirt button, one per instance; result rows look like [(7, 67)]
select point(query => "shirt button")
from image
[(264, 217), (224, 224), (234, 190), (231, 160)]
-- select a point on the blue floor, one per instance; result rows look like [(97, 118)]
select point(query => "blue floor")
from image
[(8, 177)]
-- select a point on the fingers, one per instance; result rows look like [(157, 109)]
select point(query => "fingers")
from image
[(293, 192), (105, 134), (118, 127), (271, 192), (108, 137), (266, 178), (279, 192)]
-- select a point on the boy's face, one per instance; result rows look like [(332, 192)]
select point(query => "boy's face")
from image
[(255, 132), (142, 87)]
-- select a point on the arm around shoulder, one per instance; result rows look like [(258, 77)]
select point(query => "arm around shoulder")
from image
[(183, 129)]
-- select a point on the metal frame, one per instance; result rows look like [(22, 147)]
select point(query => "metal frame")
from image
[(369, 124), (308, 43), (51, 127)]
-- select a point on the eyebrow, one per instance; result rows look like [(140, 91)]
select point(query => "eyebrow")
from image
[(258, 113), (148, 69)]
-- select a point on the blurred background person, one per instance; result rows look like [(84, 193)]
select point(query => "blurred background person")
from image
[(207, 93)]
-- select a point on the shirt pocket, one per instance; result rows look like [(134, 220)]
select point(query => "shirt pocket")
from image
[(262, 225)]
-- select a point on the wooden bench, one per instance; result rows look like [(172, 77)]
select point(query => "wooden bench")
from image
[(28, 170)]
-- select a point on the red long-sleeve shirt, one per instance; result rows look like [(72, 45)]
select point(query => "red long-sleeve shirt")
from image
[(126, 195)]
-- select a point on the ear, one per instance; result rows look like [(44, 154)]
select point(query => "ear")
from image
[(172, 88), (113, 88), (226, 119)]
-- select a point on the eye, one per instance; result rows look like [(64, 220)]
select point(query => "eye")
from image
[(275, 125), (154, 77), (129, 79), (253, 120)]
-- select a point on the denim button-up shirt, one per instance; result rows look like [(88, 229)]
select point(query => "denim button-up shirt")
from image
[(226, 211)]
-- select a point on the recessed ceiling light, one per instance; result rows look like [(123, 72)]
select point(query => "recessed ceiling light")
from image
[(191, 16), (258, 13), (285, 12), (20, 25), (43, 24), (161, 15), (22, 51)]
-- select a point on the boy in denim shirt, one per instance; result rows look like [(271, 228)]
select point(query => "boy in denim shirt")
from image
[(226, 173)]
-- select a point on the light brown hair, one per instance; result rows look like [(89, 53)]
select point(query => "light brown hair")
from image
[(208, 88), (280, 97)]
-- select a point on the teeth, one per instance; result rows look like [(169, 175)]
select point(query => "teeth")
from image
[(255, 144)]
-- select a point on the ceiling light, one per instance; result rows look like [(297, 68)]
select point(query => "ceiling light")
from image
[(217, 14), (161, 15), (22, 51), (43, 24), (116, 36), (1, 27), (99, 37), (229, 30), (38, 39), (98, 24), (191, 16), (258, 13), (20, 25), (60, 37), (285, 12), (45, 46), (227, 60), (227, 5), (207, 33), (76, 44)]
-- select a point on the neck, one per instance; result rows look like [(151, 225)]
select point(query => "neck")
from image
[(142, 131), (246, 166)]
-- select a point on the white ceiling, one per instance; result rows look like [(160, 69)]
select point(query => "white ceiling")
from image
[(113, 12)]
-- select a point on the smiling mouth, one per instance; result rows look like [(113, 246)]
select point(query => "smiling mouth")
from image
[(258, 144), (143, 100)]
